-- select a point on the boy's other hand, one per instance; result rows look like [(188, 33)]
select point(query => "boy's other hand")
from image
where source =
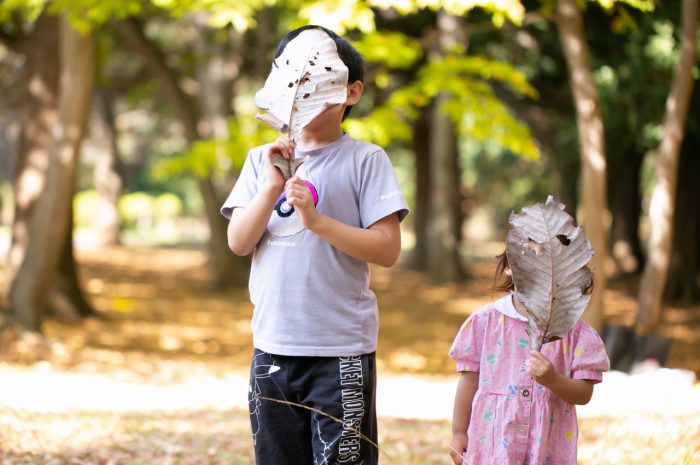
[(299, 196), (458, 447), (283, 146)]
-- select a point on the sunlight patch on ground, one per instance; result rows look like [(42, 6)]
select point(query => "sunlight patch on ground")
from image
[(630, 420)]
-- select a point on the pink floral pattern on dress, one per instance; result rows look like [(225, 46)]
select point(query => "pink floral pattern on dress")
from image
[(515, 420)]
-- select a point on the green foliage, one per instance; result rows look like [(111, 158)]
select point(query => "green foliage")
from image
[(501, 10), (393, 49), (641, 5), (30, 9), (218, 13), (167, 205), (472, 104), (346, 15), (208, 156), (382, 126), (340, 16), (134, 206), (85, 207), (88, 14)]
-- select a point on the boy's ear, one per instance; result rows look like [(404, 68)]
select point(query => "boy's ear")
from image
[(354, 93)]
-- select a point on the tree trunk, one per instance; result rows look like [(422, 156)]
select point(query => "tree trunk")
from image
[(228, 269), (625, 206), (216, 74), (661, 208), (592, 142), (684, 267), (421, 203), (444, 233), (443, 243), (107, 177), (49, 223), (67, 300), (38, 117)]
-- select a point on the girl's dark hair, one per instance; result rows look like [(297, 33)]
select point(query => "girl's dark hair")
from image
[(347, 53), (503, 282)]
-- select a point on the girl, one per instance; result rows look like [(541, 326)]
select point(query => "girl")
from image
[(515, 406)]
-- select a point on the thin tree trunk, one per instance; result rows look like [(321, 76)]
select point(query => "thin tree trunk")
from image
[(592, 142), (67, 300), (445, 206), (421, 203), (38, 117), (443, 243), (625, 206), (661, 209), (107, 177), (683, 266), (49, 224)]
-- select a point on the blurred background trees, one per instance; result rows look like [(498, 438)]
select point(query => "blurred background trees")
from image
[(480, 105)]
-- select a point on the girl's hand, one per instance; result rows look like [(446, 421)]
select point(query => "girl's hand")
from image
[(541, 369), (283, 146), (458, 447), (299, 196)]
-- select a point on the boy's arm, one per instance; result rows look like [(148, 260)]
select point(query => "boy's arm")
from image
[(574, 391), (461, 414), (247, 225), (379, 244)]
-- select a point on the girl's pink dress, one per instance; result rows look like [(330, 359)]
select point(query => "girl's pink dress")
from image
[(514, 420)]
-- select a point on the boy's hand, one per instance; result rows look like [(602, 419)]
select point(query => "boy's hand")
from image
[(299, 196), (541, 369), (285, 147), (458, 447)]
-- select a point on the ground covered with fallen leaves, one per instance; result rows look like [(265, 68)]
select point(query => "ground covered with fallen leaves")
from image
[(160, 376)]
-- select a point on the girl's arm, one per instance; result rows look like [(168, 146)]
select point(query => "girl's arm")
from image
[(461, 414), (574, 391), (379, 244)]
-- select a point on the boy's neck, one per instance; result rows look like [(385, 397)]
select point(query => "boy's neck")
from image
[(318, 137)]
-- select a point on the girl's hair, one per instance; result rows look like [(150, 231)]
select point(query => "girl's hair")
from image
[(347, 53), (503, 282)]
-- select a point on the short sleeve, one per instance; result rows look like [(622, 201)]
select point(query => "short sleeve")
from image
[(245, 188), (380, 193), (466, 348), (590, 359)]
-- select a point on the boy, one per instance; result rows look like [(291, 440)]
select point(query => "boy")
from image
[(315, 319)]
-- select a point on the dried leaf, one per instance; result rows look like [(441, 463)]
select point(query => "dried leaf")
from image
[(288, 167), (305, 79), (548, 254)]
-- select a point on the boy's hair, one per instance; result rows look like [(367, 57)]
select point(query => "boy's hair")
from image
[(347, 53), (503, 282)]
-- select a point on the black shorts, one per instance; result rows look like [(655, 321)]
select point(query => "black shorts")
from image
[(338, 418)]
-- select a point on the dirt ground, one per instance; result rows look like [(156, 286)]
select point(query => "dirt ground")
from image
[(157, 303), (160, 324)]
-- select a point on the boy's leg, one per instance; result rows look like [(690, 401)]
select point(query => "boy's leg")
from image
[(281, 433), (343, 387)]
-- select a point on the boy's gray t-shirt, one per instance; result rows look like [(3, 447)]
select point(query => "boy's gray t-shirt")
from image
[(309, 298)]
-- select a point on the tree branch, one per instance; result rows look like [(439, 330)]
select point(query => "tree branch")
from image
[(131, 31)]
